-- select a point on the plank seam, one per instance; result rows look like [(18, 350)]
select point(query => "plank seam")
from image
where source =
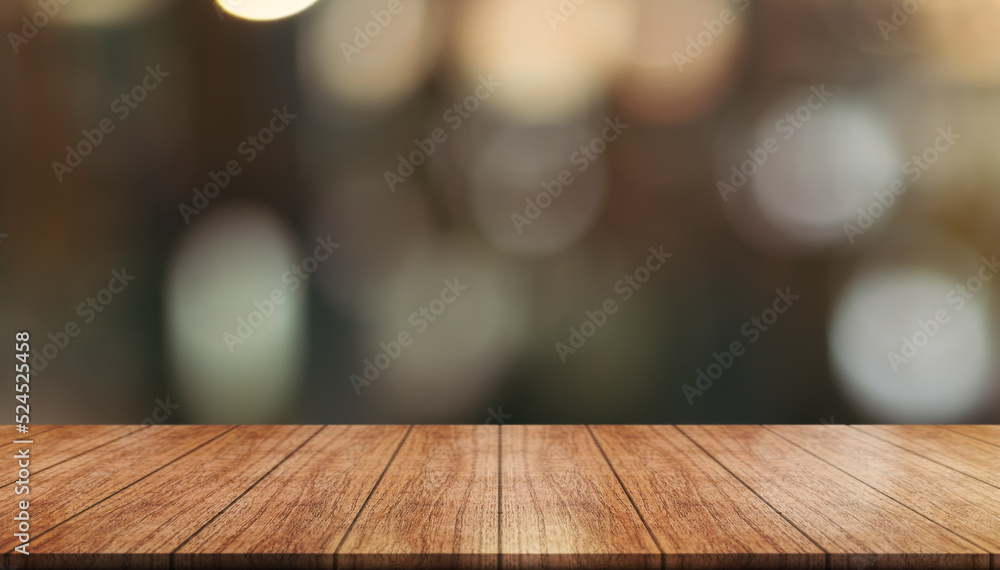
[(922, 456), (754, 491), (38, 433), (109, 442), (891, 498), (336, 552), (962, 433), (499, 496), (663, 553), (44, 532), (245, 491)]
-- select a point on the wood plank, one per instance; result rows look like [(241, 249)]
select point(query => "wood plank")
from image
[(561, 505), (10, 433), (700, 515), (298, 514), (973, 457), (141, 525), (9, 448), (989, 434), (54, 446), (436, 505), (70, 487), (956, 501), (856, 524)]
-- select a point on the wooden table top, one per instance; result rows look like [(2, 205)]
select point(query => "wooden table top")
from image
[(509, 496)]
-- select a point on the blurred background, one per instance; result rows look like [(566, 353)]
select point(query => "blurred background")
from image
[(344, 211)]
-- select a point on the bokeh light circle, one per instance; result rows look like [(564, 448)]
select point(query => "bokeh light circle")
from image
[(891, 312)]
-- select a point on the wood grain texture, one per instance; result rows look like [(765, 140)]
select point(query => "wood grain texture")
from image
[(956, 501), (512, 496), (562, 506), (8, 431), (436, 505), (54, 446), (858, 526), (297, 516), (973, 457), (142, 524), (700, 515), (74, 485), (989, 434)]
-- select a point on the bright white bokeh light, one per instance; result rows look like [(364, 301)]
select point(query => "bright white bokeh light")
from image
[(264, 10), (946, 379), (230, 259), (825, 169), (352, 58)]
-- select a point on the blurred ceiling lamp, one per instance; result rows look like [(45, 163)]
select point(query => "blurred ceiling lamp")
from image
[(536, 190), (910, 348), (464, 309), (684, 59), (264, 10), (552, 59), (358, 54), (811, 169), (235, 328), (99, 13)]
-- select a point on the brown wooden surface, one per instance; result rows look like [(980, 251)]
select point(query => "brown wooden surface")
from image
[(53, 446), (951, 499), (563, 507), (87, 479), (435, 506), (301, 511), (511, 496), (989, 434), (857, 525), (143, 523), (685, 496), (970, 456)]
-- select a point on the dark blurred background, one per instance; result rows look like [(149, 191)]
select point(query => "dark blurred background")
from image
[(336, 211)]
